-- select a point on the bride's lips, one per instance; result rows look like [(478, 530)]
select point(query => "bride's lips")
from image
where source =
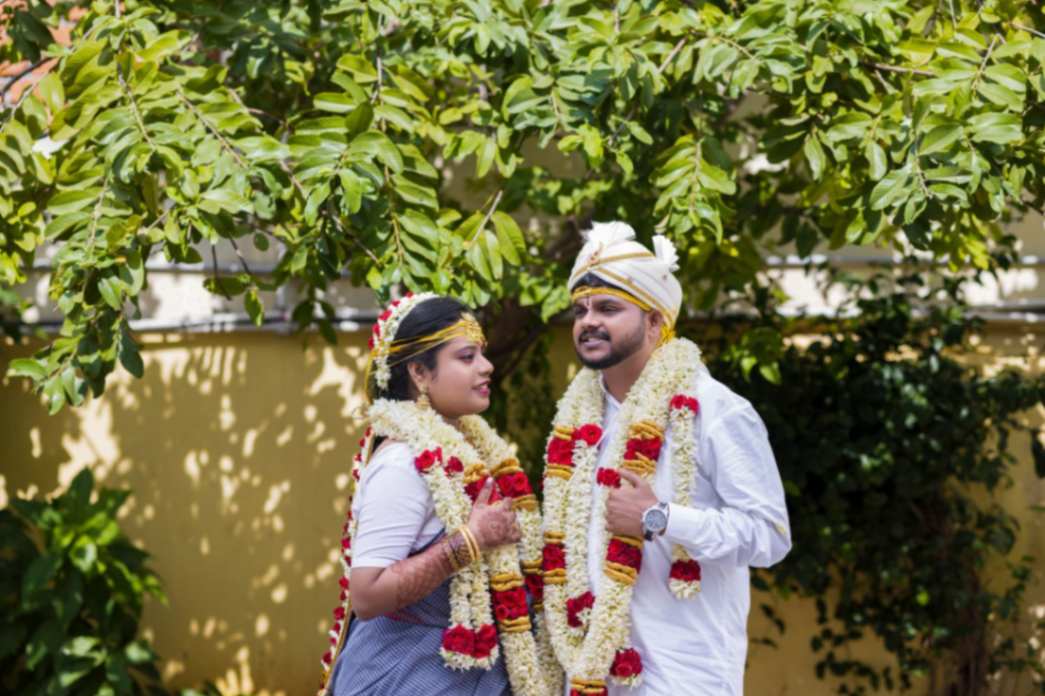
[(483, 388)]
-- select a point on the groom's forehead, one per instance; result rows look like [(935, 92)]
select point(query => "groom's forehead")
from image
[(597, 300)]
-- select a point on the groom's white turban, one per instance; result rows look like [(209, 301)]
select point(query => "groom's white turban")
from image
[(611, 253)]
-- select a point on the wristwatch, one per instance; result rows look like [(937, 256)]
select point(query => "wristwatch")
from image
[(654, 521)]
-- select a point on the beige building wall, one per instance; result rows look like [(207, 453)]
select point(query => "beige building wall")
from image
[(236, 447)]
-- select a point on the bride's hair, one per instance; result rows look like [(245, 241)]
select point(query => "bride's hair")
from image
[(425, 318)]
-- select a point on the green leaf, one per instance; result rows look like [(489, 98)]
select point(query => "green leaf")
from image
[(415, 193), (111, 290), (71, 201), (333, 102), (877, 160), (252, 303), (46, 640), (999, 128), (509, 237), (52, 91), (714, 178), (814, 156), (84, 555), (519, 97), (1002, 96), (486, 156), (27, 367), (130, 358), (477, 259), (1038, 452), (352, 188), (1008, 76), (39, 575), (890, 189), (138, 652), (162, 46), (262, 148), (940, 138), (376, 144)]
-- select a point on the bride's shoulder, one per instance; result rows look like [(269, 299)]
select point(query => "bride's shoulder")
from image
[(392, 453)]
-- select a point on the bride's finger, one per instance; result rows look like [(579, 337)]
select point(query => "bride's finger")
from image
[(484, 494)]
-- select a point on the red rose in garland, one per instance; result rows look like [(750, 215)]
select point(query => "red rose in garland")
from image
[(459, 639), (560, 452), (589, 433)]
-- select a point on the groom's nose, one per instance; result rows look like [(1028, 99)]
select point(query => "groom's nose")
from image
[(588, 321)]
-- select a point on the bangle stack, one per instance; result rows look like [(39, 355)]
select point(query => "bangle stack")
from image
[(461, 548)]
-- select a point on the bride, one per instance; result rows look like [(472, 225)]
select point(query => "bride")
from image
[(442, 544)]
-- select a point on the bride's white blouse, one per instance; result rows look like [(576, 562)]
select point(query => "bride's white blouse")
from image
[(394, 509)]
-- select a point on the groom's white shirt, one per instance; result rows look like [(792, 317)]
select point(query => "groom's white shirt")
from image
[(736, 519)]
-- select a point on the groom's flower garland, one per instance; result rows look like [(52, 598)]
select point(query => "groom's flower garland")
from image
[(452, 466), (589, 633)]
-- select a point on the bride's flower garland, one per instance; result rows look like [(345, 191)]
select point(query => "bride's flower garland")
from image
[(451, 463), (590, 633)]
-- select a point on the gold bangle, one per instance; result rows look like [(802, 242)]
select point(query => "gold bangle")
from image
[(451, 554), (462, 550), (473, 545)]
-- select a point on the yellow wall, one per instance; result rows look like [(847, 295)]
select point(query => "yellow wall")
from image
[(236, 445)]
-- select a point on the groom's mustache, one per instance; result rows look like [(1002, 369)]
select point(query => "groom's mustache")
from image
[(601, 335)]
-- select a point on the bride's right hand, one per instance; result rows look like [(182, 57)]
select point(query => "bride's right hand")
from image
[(493, 524)]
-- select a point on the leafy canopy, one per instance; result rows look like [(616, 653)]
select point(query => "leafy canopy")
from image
[(339, 133)]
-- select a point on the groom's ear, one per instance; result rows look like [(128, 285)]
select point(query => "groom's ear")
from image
[(656, 320)]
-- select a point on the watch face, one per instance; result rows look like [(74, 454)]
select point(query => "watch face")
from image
[(655, 520)]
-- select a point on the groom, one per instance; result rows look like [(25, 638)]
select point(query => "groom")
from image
[(661, 490)]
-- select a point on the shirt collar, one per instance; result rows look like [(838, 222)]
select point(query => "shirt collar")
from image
[(611, 401)]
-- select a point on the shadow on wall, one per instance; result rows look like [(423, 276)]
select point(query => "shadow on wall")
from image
[(236, 449)]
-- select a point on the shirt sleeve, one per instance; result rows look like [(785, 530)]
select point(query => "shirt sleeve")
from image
[(751, 526), (394, 505)]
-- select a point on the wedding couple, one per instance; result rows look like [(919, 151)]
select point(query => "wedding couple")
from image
[(660, 490)]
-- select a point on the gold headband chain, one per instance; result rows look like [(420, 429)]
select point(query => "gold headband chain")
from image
[(465, 327)]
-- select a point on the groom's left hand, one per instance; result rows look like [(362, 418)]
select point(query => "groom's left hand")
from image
[(625, 505)]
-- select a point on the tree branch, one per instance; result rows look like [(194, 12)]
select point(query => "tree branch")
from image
[(15, 78), (332, 214), (243, 261), (671, 56), (217, 280), (983, 63), (1029, 30), (489, 214), (901, 69)]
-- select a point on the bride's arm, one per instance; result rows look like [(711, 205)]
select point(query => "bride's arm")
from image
[(377, 591)]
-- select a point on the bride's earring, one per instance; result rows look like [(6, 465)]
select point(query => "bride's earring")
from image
[(422, 400)]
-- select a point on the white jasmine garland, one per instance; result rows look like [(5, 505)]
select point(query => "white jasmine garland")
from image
[(684, 482), (568, 503), (423, 429)]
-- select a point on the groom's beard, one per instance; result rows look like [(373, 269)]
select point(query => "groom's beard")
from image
[(619, 351)]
